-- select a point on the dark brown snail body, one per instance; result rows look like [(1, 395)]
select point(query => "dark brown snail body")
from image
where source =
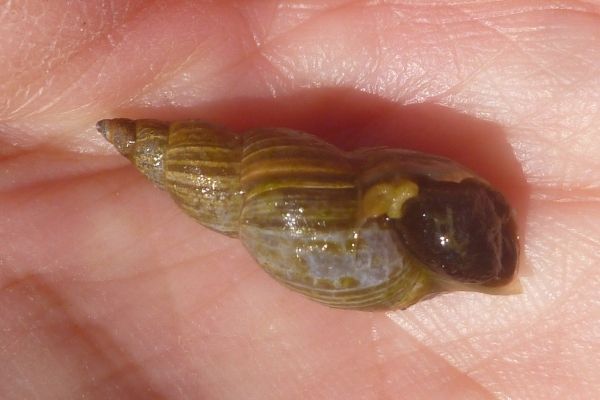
[(370, 229)]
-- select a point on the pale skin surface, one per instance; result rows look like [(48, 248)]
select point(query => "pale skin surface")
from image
[(108, 291)]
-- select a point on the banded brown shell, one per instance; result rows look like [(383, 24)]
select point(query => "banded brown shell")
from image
[(370, 229)]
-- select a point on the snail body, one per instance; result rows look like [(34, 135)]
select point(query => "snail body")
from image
[(370, 229)]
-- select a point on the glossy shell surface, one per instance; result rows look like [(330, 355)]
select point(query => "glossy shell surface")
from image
[(370, 229)]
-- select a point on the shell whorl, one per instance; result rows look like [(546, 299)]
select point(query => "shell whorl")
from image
[(202, 173), (299, 220), (371, 229)]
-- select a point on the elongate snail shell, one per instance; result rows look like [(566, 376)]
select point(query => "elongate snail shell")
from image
[(370, 229)]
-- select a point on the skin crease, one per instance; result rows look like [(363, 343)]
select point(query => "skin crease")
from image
[(108, 291)]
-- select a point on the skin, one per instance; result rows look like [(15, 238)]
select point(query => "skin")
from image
[(108, 291)]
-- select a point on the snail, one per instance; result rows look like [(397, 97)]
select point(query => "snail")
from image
[(376, 228)]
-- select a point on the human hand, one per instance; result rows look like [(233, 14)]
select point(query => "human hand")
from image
[(109, 291)]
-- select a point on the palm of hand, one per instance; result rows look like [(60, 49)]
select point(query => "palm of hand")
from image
[(109, 291)]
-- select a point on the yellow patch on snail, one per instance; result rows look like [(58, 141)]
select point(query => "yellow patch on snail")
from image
[(387, 199)]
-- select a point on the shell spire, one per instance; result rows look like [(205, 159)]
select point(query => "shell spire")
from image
[(142, 141), (120, 132)]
